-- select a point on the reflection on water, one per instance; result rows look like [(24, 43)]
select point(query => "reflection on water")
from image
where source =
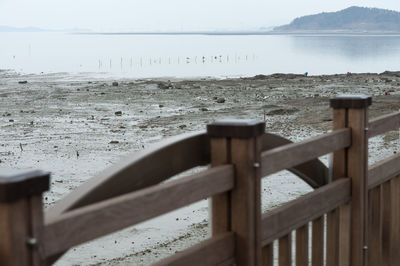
[(353, 47), (197, 55)]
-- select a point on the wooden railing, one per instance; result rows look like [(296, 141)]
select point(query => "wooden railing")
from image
[(352, 219)]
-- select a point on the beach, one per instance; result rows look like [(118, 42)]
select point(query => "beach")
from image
[(75, 125)]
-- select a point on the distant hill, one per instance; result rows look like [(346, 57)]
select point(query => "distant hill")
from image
[(352, 19)]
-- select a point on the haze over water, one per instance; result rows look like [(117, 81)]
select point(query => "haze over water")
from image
[(148, 56)]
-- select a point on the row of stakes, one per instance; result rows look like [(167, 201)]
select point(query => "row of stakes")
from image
[(141, 62)]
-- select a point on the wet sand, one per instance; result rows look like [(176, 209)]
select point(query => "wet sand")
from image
[(75, 126)]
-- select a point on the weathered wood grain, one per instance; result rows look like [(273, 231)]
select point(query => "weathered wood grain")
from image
[(386, 213), (375, 227), (282, 220), (213, 251), (139, 170), (317, 246), (246, 201), (76, 227), (395, 222), (290, 155), (384, 170), (302, 246), (313, 172), (220, 207), (268, 255), (285, 250), (383, 124), (357, 170)]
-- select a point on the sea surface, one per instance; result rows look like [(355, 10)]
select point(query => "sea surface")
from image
[(146, 56)]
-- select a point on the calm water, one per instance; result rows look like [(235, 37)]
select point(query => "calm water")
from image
[(197, 55)]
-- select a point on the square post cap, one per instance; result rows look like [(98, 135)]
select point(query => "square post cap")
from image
[(21, 183), (235, 128), (350, 101)]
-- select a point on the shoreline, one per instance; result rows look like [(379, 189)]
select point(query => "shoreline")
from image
[(49, 120)]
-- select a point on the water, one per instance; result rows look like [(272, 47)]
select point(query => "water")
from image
[(197, 55)]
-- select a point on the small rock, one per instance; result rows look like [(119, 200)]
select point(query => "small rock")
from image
[(220, 100), (114, 142), (142, 126), (161, 105), (115, 84), (203, 109), (118, 113), (182, 126), (23, 82), (11, 120)]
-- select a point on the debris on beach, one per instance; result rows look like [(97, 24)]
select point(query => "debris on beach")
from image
[(115, 84), (118, 113), (23, 82)]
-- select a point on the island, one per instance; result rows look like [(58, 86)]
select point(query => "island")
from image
[(350, 20)]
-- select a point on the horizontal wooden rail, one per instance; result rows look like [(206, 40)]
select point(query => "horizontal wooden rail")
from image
[(383, 171), (218, 250), (287, 156), (313, 172), (383, 124), (140, 170), (282, 220), (80, 225)]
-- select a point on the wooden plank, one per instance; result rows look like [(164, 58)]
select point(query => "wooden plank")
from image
[(332, 237), (285, 250), (344, 212), (268, 255), (357, 170), (395, 223), (386, 224), (313, 172), (13, 231), (375, 227), (36, 226), (139, 170), (213, 251), (384, 170), (297, 153), (338, 170), (302, 246), (317, 252), (246, 201), (220, 210), (383, 124), (76, 227), (282, 220)]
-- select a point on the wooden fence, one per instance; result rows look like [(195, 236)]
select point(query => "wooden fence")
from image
[(353, 219)]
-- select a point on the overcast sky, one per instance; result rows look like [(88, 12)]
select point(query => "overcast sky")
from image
[(123, 15)]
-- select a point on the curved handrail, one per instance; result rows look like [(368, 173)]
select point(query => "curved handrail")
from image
[(163, 160), (140, 170)]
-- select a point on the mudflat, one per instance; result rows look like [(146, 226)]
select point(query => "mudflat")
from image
[(75, 125)]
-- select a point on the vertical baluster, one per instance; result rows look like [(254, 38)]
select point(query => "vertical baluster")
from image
[(302, 246), (317, 252), (375, 227), (285, 250)]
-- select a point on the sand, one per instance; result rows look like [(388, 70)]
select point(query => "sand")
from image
[(75, 125)]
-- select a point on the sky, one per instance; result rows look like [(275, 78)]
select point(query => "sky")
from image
[(168, 15)]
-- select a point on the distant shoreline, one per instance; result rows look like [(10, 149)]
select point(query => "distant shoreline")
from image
[(235, 33)]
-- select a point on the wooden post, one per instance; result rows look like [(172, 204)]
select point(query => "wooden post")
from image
[(243, 150), (21, 216), (355, 111)]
